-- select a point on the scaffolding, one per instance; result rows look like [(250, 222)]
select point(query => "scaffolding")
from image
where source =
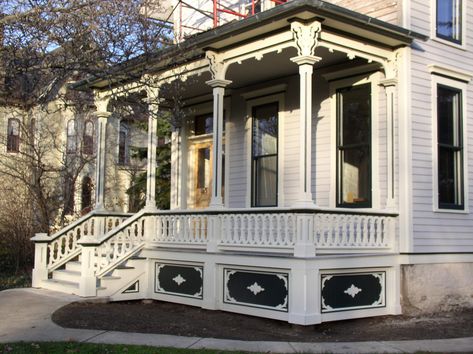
[(250, 8)]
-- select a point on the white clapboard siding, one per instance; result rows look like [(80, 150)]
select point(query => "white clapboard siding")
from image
[(436, 231)]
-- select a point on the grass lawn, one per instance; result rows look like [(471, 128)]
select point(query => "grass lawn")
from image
[(74, 347)]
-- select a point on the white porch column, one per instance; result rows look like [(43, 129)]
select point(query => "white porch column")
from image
[(102, 118), (305, 38), (151, 167), (390, 89), (218, 84)]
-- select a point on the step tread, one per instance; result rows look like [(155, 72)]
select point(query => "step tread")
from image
[(64, 283), (67, 271)]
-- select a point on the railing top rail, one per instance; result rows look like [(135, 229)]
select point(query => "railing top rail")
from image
[(83, 219), (344, 211)]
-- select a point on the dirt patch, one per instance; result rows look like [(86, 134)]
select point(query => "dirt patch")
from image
[(182, 320)]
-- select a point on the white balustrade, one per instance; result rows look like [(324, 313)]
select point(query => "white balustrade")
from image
[(258, 230), (190, 229), (120, 243), (63, 245), (353, 231)]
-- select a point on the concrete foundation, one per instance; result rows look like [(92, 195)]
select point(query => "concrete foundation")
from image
[(437, 287)]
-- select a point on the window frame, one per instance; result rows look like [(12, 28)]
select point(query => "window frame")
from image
[(254, 158), (260, 98), (17, 143), (377, 115), (339, 148), (461, 88), (460, 43), (86, 148)]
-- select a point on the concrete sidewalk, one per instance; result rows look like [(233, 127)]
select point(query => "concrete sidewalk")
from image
[(25, 315)]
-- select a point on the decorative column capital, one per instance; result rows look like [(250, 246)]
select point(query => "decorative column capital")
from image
[(306, 36), (217, 66), (102, 114), (389, 82), (306, 60), (218, 83)]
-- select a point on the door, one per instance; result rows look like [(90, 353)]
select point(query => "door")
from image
[(203, 174)]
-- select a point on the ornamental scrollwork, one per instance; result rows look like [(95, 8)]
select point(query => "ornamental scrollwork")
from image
[(306, 37)]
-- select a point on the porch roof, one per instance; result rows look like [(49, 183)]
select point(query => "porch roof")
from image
[(336, 18)]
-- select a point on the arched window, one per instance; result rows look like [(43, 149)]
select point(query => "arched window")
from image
[(123, 153), (86, 194), (88, 138), (71, 136), (13, 135)]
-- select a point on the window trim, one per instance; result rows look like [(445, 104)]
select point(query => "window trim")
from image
[(253, 172), (376, 115), (338, 198), (460, 44), (461, 87), (8, 150), (278, 98)]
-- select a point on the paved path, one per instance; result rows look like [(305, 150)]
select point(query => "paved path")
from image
[(25, 315)]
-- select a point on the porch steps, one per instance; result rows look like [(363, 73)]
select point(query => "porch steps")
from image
[(67, 275), (74, 266), (123, 276), (68, 287)]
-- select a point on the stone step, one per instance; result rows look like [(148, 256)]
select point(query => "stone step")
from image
[(67, 287), (67, 275), (74, 266)]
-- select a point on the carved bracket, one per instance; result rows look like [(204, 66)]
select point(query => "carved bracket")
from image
[(306, 36), (217, 66)]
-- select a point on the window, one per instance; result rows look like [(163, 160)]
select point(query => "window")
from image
[(69, 191), (86, 195), (265, 155), (203, 124), (354, 146), (88, 138), (123, 153), (449, 148), (13, 135), (71, 137), (449, 20)]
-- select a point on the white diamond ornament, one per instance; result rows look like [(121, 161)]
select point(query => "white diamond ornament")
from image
[(255, 288), (352, 291), (179, 279)]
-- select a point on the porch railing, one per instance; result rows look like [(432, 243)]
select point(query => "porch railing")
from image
[(63, 245), (108, 240), (276, 230)]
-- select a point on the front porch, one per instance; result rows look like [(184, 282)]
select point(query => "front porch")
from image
[(284, 186)]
